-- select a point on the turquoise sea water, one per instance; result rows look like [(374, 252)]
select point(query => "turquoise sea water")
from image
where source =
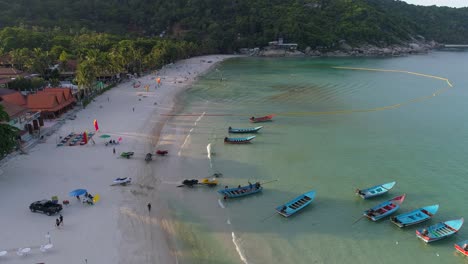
[(420, 144)]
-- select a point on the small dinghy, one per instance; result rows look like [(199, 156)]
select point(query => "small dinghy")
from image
[(375, 190), (462, 247), (440, 230), (241, 191), (296, 204), (384, 209), (416, 216), (244, 130), (242, 140)]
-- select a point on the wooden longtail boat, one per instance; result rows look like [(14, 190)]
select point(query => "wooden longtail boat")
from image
[(384, 209), (244, 130), (440, 230), (462, 247), (241, 140), (416, 216), (262, 119), (375, 190), (296, 204), (241, 191)]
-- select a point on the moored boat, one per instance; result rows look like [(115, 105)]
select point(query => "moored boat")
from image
[(384, 209), (462, 247), (244, 130), (375, 190), (416, 216), (262, 119), (241, 191), (296, 204), (241, 140), (440, 230)]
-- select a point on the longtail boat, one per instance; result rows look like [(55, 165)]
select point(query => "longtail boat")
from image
[(241, 191), (375, 190), (439, 230), (384, 209), (244, 130), (296, 204), (462, 247), (241, 140), (416, 216), (262, 119)]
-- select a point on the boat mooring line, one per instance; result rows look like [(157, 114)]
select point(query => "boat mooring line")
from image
[(239, 251), (221, 204), (336, 112), (190, 132)]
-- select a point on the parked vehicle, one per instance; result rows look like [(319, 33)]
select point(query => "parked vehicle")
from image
[(47, 207)]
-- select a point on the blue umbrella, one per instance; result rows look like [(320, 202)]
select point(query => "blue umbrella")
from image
[(77, 192)]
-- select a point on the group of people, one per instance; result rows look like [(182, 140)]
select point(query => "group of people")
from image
[(112, 142), (87, 198)]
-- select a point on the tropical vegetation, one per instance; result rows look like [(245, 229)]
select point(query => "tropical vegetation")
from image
[(8, 134)]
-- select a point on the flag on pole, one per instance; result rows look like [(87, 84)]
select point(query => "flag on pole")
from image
[(96, 126), (120, 139)]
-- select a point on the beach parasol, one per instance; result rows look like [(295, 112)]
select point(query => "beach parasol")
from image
[(77, 192), (105, 136)]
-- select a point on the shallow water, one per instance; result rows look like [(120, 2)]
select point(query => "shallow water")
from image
[(420, 143)]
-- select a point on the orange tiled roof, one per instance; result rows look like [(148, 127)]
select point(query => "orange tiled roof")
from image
[(14, 98), (49, 100), (13, 110)]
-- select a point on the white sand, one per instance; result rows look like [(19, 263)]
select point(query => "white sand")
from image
[(119, 228)]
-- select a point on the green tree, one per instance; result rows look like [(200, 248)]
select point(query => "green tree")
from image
[(9, 134)]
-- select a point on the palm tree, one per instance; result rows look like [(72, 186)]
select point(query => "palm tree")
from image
[(9, 133)]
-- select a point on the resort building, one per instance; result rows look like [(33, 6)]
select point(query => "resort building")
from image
[(51, 102), (279, 44)]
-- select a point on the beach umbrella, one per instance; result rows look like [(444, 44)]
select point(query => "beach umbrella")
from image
[(105, 136), (77, 192)]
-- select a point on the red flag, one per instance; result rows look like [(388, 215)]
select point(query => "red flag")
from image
[(96, 125), (120, 139)]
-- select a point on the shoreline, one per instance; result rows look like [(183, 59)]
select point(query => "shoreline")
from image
[(119, 228)]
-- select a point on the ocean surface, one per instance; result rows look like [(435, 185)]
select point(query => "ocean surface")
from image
[(335, 130)]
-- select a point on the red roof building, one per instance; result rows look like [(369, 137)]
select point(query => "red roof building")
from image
[(52, 102)]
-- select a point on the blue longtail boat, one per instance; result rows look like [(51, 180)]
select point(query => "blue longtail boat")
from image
[(241, 140), (384, 209), (416, 216), (241, 191), (296, 204), (439, 230), (244, 130), (375, 190), (462, 247)]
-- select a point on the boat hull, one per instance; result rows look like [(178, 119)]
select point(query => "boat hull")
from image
[(439, 230), (459, 247), (244, 130), (416, 216), (296, 204), (267, 118), (240, 192), (245, 140), (375, 190), (384, 209)]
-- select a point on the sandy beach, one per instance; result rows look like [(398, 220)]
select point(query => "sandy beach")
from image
[(118, 228)]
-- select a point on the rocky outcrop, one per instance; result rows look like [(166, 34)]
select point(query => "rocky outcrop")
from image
[(280, 53), (415, 46)]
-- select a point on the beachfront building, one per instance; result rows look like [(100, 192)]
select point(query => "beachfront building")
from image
[(27, 121), (8, 74), (280, 45), (51, 102)]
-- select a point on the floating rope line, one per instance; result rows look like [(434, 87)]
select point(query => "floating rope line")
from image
[(382, 108)]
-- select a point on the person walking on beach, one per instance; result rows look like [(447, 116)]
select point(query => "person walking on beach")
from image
[(113, 150), (149, 207), (57, 223), (61, 220), (133, 109)]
